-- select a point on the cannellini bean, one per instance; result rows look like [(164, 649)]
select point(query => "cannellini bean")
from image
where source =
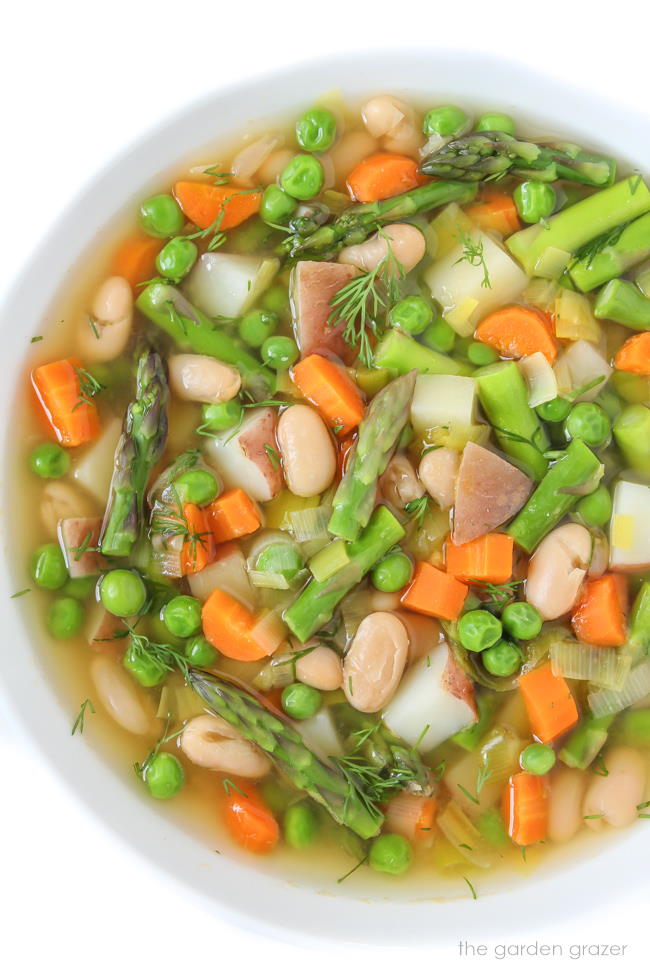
[(614, 798), (120, 696), (248, 160), (407, 245), (269, 171), (375, 662), (307, 451), (61, 500), (384, 602), (557, 570), (383, 114), (320, 668), (399, 483), (111, 312), (599, 562), (350, 150), (567, 789), (202, 379), (405, 139), (438, 471), (212, 743)]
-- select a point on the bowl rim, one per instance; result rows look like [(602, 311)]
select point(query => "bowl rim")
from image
[(351, 919)]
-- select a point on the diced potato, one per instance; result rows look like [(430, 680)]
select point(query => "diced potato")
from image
[(229, 284), (629, 535), (94, 468), (443, 401)]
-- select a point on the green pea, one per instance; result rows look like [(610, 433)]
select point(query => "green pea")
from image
[(502, 659), (300, 701), (221, 416), (537, 759), (159, 632), (277, 205), (276, 299), (535, 201), (122, 592), (146, 670), (177, 258), (198, 487), (282, 558), (447, 120), (48, 568), (495, 122), (303, 177), (161, 216), (595, 508), (480, 354), (390, 853), (300, 825), (521, 621), (392, 573), (65, 618), (478, 629), (49, 460), (588, 422), (412, 314), (257, 326), (440, 336), (200, 653), (279, 352), (164, 776), (182, 616), (554, 410), (316, 130), (82, 587)]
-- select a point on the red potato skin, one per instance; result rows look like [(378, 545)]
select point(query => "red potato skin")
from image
[(456, 682), (75, 532), (489, 491), (313, 286), (252, 441)]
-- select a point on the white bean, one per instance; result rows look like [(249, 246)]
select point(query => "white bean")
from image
[(61, 500), (399, 483), (557, 570), (251, 158), (405, 139), (384, 602), (350, 150), (202, 379), (614, 798), (212, 743), (111, 314), (567, 789), (120, 696), (320, 668), (375, 662), (382, 114), (438, 471), (269, 171), (307, 451), (406, 243)]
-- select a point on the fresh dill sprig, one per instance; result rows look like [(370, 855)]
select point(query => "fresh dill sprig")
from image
[(79, 720), (36, 338), (361, 862), (467, 793), (161, 655), (498, 596), (85, 546), (21, 592), (175, 316), (519, 438), (229, 786), (273, 456), (220, 177), (141, 769), (599, 767), (471, 888), (483, 775), (594, 247), (93, 325), (417, 509), (473, 254), (89, 387)]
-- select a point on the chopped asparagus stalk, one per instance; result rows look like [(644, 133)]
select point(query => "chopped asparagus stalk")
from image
[(585, 742), (638, 633), (316, 603), (504, 398), (545, 249), (138, 450), (558, 491), (623, 302), (608, 258), (379, 434), (399, 353), (632, 434)]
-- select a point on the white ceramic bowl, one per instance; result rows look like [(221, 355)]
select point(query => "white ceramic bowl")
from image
[(237, 888)]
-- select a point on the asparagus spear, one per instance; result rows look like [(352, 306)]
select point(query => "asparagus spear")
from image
[(356, 223), (316, 603), (379, 433), (638, 633), (613, 255), (556, 494), (170, 310), (632, 434), (341, 793), (484, 155), (584, 743), (399, 353), (545, 249), (623, 302), (138, 450), (504, 398)]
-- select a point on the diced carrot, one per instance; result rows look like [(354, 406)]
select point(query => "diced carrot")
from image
[(227, 625), (382, 175), (198, 544), (634, 355), (599, 617), (495, 211), (72, 416), (135, 259), (549, 703), (516, 331), (202, 203), (334, 394), (232, 515), (434, 593), (524, 807), (249, 820), (485, 559)]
